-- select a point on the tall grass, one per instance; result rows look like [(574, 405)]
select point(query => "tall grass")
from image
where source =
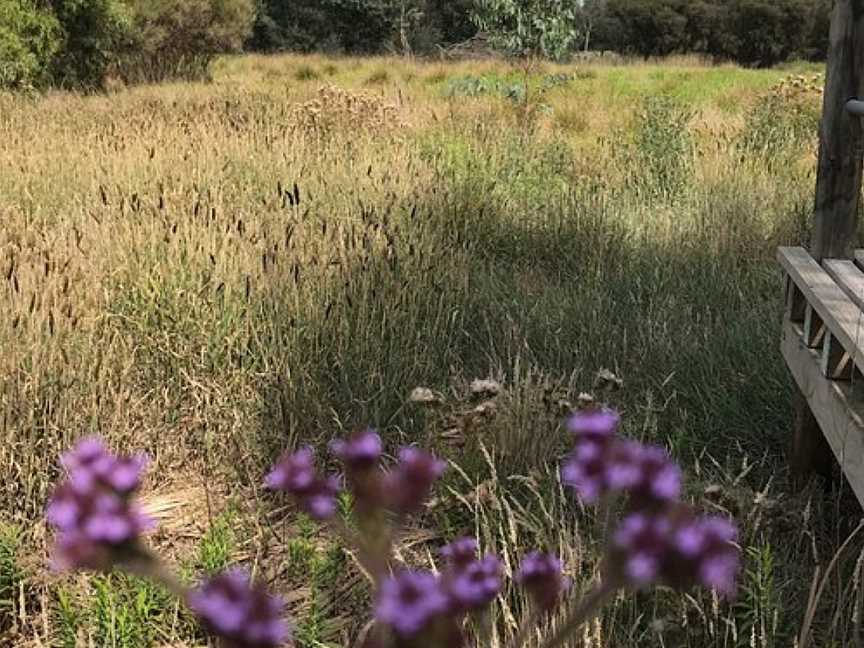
[(216, 272)]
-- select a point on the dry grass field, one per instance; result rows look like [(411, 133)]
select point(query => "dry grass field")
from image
[(215, 272)]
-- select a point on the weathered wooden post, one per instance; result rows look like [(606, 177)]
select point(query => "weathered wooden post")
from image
[(838, 189)]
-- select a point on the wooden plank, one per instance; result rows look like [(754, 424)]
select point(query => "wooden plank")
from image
[(859, 258), (838, 179), (836, 363), (836, 406), (850, 279), (814, 327), (795, 302), (843, 318)]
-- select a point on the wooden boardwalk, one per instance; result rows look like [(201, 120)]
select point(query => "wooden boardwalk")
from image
[(823, 344), (823, 327)]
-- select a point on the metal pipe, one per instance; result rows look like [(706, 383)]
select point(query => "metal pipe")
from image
[(855, 107)]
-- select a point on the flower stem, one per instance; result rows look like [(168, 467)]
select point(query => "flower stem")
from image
[(148, 565), (526, 628), (581, 612)]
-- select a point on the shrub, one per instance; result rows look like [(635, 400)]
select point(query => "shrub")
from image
[(179, 40), (29, 38), (95, 32), (663, 144)]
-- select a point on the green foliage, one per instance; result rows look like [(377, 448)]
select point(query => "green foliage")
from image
[(120, 611), (68, 618), (529, 28), (95, 33), (217, 546), (751, 32), (477, 86), (179, 40), (29, 39), (777, 125), (10, 573), (360, 26), (663, 145), (760, 607)]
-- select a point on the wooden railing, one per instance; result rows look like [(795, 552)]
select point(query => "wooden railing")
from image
[(823, 345)]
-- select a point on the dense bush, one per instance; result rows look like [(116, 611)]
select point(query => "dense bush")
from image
[(94, 34), (751, 32), (78, 43), (29, 38), (180, 39), (360, 26)]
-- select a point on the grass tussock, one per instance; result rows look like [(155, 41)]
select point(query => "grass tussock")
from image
[(215, 272)]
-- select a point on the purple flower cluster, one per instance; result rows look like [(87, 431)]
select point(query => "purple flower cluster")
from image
[(403, 490), (408, 485), (295, 474), (600, 463), (415, 602), (659, 539), (359, 453), (410, 601), (541, 575), (242, 614), (93, 509), (679, 547)]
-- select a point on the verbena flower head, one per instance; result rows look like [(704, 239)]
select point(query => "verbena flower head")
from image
[(541, 575), (410, 601), (476, 584), (461, 552), (242, 614), (295, 474), (646, 472), (408, 486), (595, 423), (678, 548), (706, 548), (597, 467), (585, 471), (92, 510), (360, 452)]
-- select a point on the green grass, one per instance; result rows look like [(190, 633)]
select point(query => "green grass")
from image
[(169, 294)]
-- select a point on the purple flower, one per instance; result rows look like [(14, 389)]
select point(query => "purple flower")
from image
[(359, 453), (642, 542), (295, 474), (410, 601), (707, 550), (541, 575), (242, 614), (475, 585), (595, 468), (585, 471), (646, 472), (92, 510), (461, 552), (596, 424), (409, 484), (678, 548)]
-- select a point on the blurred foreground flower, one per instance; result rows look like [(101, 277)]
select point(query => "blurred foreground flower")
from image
[(295, 474), (408, 485), (96, 519), (242, 614), (410, 601), (659, 540), (541, 575)]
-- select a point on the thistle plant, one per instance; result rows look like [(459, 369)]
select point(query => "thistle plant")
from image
[(658, 541)]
